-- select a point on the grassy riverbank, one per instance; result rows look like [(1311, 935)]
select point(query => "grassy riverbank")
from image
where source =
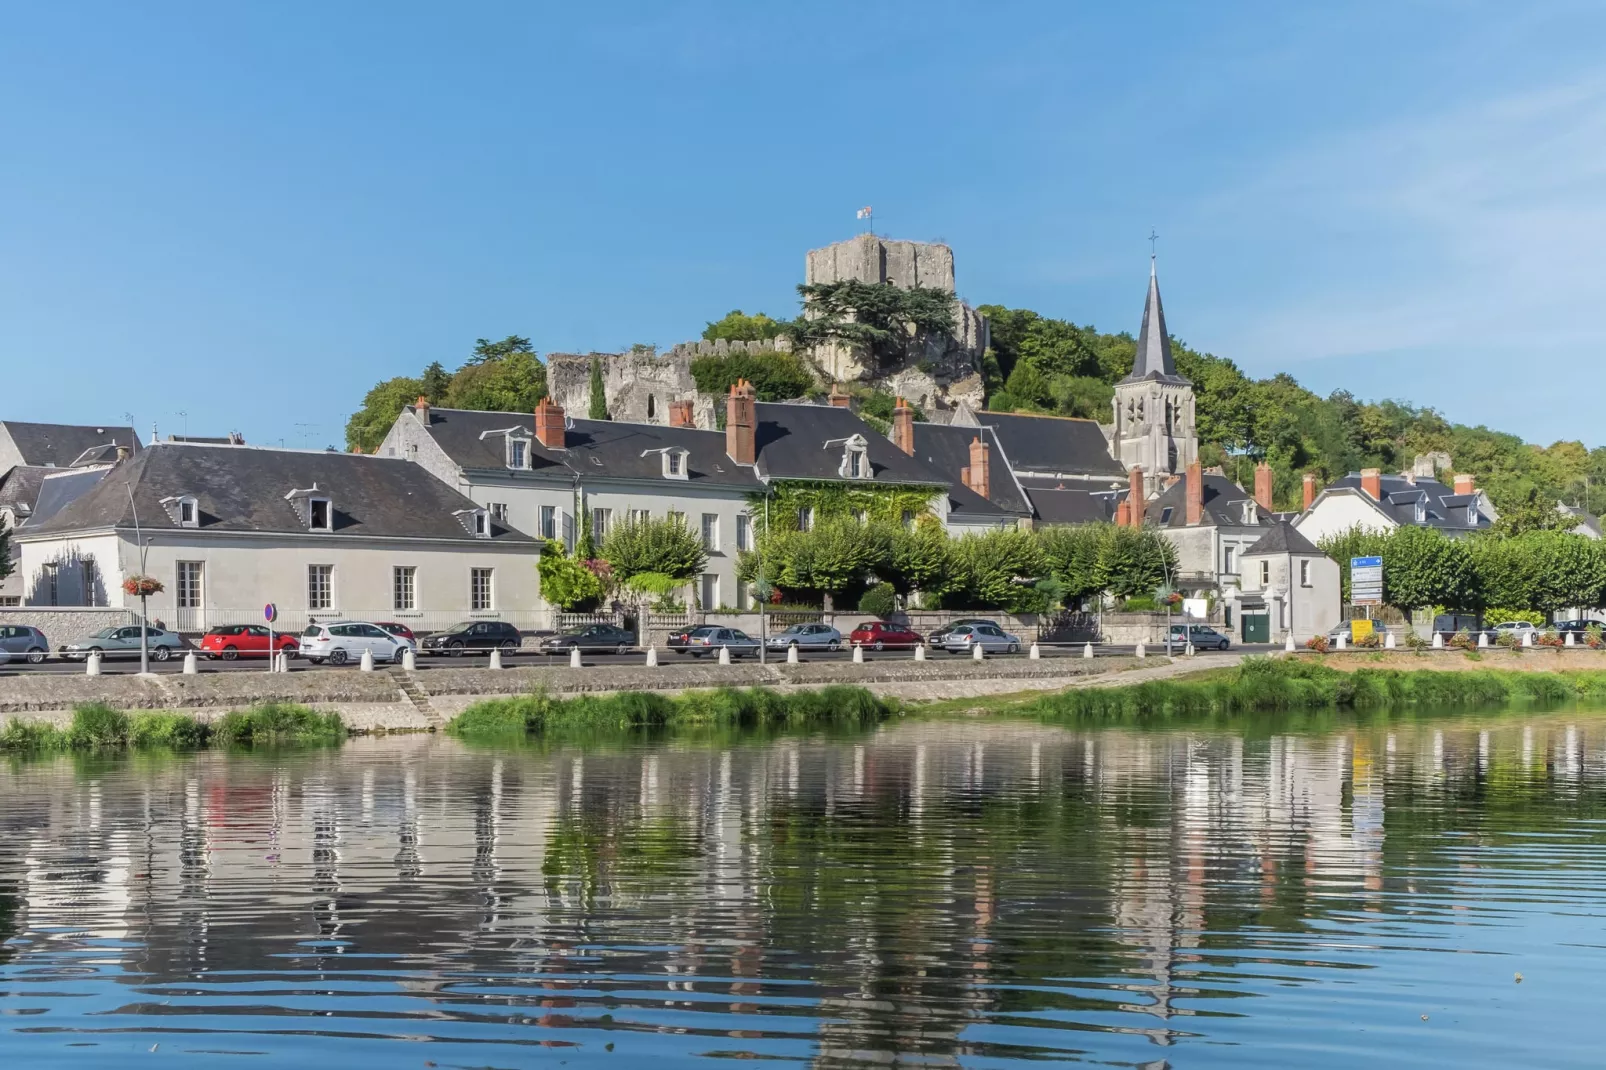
[(98, 726), (726, 707), (1266, 685)]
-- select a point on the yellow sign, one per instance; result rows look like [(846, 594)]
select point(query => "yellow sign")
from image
[(1360, 629)]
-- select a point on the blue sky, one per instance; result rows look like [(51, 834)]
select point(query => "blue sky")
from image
[(250, 214)]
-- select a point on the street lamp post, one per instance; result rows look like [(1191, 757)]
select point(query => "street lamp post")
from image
[(144, 598)]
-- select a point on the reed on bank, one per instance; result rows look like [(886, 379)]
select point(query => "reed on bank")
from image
[(96, 726)]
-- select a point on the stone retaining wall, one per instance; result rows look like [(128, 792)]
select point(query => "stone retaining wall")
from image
[(63, 624)]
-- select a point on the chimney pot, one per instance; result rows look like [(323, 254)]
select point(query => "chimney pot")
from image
[(1195, 493), (903, 427), (1263, 486), (838, 398), (681, 414), (1309, 489), (1372, 483)]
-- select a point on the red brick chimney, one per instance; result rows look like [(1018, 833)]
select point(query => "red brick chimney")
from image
[(1465, 484), (421, 407), (741, 423), (1263, 486), (549, 424), (681, 414), (1123, 515), (903, 427), (976, 474), (838, 398), (1195, 493), (1309, 489), (1136, 496), (1372, 483)]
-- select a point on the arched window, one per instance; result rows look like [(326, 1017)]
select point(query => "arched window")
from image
[(652, 406)]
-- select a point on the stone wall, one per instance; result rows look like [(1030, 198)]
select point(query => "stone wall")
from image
[(639, 385), (62, 624), (873, 259)]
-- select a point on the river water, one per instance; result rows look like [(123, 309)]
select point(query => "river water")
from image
[(980, 893)]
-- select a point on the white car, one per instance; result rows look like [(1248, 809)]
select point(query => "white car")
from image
[(341, 641)]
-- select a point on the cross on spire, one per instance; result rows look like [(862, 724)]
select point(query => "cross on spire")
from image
[(1153, 237)]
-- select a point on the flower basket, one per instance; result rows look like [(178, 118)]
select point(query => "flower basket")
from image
[(142, 586), (1317, 643)]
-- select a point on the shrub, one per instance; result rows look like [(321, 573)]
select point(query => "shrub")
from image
[(1500, 614), (97, 725), (1138, 604), (1551, 639), (173, 730), (276, 722), (879, 601), (1593, 637), (1462, 640)]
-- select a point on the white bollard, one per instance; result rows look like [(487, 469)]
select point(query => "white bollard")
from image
[(1483, 639), (1187, 651), (724, 655), (1288, 643), (652, 657), (1343, 644), (791, 653), (1087, 650), (858, 653), (1527, 638), (367, 663), (409, 659), (574, 657), (1567, 640), (496, 659), (1438, 640), (1140, 651), (920, 652), (1388, 640), (190, 668), (92, 665), (976, 652), (1034, 654)]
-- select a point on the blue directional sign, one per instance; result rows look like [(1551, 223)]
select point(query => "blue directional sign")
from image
[(1366, 581)]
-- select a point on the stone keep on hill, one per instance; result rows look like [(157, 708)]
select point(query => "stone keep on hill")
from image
[(934, 373)]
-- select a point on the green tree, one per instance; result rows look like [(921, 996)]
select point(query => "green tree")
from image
[(435, 383), (513, 382), (1543, 570), (487, 351), (999, 570), (599, 397), (565, 581), (369, 425), (775, 376), (1423, 568), (664, 546), (737, 326), (1134, 561), (880, 317), (1074, 553), (1531, 511)]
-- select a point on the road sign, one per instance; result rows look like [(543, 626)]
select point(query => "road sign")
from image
[(1366, 581), (270, 612)]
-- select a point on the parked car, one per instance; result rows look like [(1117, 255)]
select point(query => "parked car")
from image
[(1202, 636), (25, 640), (230, 641), (964, 638), (482, 635), (1577, 627), (399, 630), (881, 634), (807, 637), (1378, 629), (123, 641), (939, 636), (338, 642), (591, 639), (1514, 628), (709, 638)]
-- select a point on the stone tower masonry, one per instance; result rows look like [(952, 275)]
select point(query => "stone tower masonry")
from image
[(1154, 428)]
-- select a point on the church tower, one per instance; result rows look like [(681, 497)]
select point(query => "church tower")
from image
[(1154, 420)]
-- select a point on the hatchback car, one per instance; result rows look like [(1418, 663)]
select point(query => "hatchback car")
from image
[(807, 637), (710, 638), (123, 641), (231, 641), (591, 639), (1202, 636), (25, 641), (964, 638), (469, 636), (939, 636), (881, 634), (338, 642)]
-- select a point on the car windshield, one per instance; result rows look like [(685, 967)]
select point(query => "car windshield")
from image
[(797, 629), (312, 629), (461, 626)]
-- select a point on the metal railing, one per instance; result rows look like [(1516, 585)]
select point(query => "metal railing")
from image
[(199, 620)]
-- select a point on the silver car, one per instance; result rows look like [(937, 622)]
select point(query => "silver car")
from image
[(23, 640), (123, 642), (807, 637), (964, 638)]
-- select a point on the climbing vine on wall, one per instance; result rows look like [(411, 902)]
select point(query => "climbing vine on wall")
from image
[(833, 501)]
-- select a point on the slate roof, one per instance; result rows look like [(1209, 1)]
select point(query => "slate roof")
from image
[(792, 438), (1223, 505), (1053, 444), (1445, 509), (59, 445), (1282, 539), (1058, 505), (243, 488), (1153, 360), (593, 448), (946, 449), (63, 486), (19, 489)]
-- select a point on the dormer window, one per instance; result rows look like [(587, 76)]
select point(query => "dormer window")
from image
[(518, 453), (855, 457), (1421, 511), (186, 513), (319, 514), (674, 461), (477, 522), (184, 510), (1249, 512)]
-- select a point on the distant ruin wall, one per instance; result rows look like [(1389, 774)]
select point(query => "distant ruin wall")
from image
[(869, 258)]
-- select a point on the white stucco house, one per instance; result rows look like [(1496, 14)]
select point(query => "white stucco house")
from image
[(1372, 501), (230, 529), (1292, 583)]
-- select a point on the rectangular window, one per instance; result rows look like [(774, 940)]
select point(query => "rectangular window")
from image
[(710, 591), (744, 531), (711, 531), (805, 518), (599, 524), (482, 524), (549, 522), (640, 516), (517, 453), (186, 513), (403, 587), (1265, 573), (189, 585), (11, 600), (676, 517), (318, 512), (908, 518), (320, 586), (89, 581), (1165, 515), (1304, 573), (499, 512), (674, 463), (1227, 560), (481, 593), (855, 464)]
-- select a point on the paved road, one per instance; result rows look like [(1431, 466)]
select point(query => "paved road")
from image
[(120, 666)]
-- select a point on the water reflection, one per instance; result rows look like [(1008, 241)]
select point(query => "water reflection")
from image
[(936, 894)]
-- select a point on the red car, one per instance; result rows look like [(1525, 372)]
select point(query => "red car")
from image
[(400, 631), (880, 634), (230, 641)]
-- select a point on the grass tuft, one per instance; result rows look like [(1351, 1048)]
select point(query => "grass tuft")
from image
[(277, 722)]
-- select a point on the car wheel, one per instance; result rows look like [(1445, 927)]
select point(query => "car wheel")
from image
[(337, 657), (35, 656), (1014, 648), (878, 645), (230, 653), (508, 647), (834, 645), (1225, 644), (622, 648), (161, 653), (455, 649)]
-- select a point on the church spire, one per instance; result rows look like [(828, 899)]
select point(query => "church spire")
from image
[(1154, 344)]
